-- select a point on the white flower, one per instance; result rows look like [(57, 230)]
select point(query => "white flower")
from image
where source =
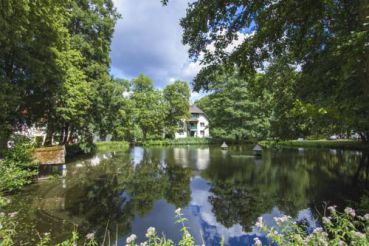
[(307, 239), (341, 243), (90, 236), (13, 214), (131, 239), (350, 211), (282, 219), (327, 220), (259, 223), (150, 232), (143, 244), (317, 230), (366, 216), (359, 234), (257, 242), (178, 211), (332, 209)]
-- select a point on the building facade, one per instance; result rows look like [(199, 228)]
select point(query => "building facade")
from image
[(196, 126)]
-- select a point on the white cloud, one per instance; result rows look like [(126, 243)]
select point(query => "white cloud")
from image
[(148, 40)]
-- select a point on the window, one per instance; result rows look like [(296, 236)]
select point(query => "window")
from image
[(202, 124), (194, 115), (202, 133)]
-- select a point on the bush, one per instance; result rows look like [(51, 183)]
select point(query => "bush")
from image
[(8, 232), (337, 229), (339, 144), (18, 167), (179, 141), (154, 240)]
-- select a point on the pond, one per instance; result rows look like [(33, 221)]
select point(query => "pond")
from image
[(222, 192)]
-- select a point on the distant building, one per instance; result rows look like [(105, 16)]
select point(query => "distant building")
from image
[(196, 126)]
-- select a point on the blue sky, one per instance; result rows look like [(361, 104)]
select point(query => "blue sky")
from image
[(148, 40)]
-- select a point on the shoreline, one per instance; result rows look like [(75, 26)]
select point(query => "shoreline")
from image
[(336, 144)]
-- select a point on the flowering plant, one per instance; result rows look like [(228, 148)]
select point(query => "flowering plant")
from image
[(338, 228), (154, 240)]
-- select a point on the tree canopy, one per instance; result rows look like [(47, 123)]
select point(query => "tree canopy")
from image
[(326, 42)]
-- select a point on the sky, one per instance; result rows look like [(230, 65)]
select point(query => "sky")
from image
[(148, 40)]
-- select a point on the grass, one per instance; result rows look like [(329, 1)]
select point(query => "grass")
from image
[(111, 146), (337, 144), (179, 141)]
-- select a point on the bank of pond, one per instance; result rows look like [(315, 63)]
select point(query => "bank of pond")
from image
[(222, 192)]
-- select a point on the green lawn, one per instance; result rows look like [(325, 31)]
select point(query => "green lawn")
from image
[(112, 146), (339, 144)]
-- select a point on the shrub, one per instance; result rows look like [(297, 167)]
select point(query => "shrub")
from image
[(154, 240), (337, 229), (8, 231), (18, 167), (179, 141)]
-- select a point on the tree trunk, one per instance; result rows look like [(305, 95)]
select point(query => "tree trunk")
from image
[(62, 134), (66, 134), (49, 134), (144, 132), (70, 135)]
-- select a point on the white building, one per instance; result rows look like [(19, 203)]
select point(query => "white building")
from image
[(196, 126)]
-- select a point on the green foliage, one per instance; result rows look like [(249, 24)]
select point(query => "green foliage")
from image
[(150, 107), (325, 42), (154, 240), (233, 111), (115, 110), (18, 167), (177, 96), (338, 229), (54, 61), (179, 141), (32, 36), (335, 144)]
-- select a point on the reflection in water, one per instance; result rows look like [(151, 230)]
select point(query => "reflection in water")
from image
[(196, 158), (222, 192)]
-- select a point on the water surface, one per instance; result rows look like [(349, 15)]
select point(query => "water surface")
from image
[(222, 192)]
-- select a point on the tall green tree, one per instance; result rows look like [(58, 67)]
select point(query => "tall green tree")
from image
[(90, 29), (33, 36), (116, 119), (150, 107), (233, 110), (328, 39), (177, 97)]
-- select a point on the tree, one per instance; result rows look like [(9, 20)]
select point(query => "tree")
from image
[(78, 108), (233, 110), (32, 37), (116, 111), (177, 96), (327, 39), (150, 108)]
